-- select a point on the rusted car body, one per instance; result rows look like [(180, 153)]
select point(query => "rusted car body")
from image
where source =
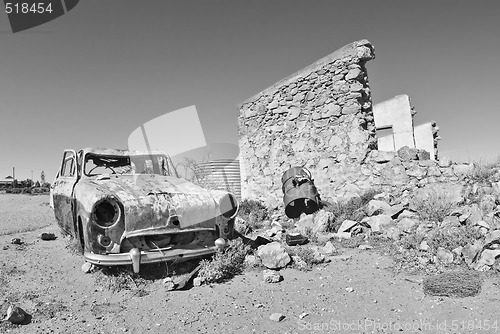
[(127, 207)]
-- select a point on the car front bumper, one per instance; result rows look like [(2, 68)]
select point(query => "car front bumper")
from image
[(135, 257)]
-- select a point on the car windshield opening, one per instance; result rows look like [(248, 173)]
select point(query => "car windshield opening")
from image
[(96, 164)]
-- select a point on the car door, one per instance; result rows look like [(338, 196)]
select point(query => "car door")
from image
[(62, 192)]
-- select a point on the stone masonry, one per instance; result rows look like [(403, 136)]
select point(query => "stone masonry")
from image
[(321, 117)]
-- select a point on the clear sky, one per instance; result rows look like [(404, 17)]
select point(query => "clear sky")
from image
[(93, 75)]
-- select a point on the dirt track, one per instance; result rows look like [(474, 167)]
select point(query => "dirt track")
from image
[(45, 279)]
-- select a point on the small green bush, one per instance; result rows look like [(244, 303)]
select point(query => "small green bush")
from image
[(225, 264), (457, 284), (433, 204)]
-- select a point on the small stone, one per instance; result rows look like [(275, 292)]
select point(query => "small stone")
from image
[(349, 289), (258, 305), (347, 225), (328, 248), (16, 241), (48, 236), (197, 281), (273, 255), (271, 276), (424, 246), (444, 256), (277, 317), (303, 315), (365, 246), (15, 314), (87, 267)]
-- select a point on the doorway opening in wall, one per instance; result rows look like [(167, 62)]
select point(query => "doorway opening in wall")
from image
[(385, 139)]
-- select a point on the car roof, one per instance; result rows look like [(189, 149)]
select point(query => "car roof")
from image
[(119, 152)]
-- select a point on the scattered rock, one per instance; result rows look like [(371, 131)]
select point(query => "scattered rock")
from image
[(487, 259), (169, 284), (197, 281), (470, 252), (16, 241), (277, 317), (342, 257), (407, 224), (15, 314), (273, 255), (271, 276), (365, 247), (87, 267), (328, 248), (424, 246), (323, 238), (349, 289), (322, 220), (303, 315), (342, 235), (379, 223), (48, 236), (251, 261), (407, 154), (493, 236), (444, 256), (347, 225), (305, 224), (376, 207)]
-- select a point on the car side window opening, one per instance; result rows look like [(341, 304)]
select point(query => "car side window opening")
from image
[(68, 168)]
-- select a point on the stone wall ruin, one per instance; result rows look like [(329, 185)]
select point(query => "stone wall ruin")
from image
[(322, 118)]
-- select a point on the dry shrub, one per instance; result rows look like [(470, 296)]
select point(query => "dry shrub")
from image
[(457, 284), (254, 213), (451, 237), (482, 173), (353, 209), (306, 254), (433, 204), (225, 264), (119, 278)]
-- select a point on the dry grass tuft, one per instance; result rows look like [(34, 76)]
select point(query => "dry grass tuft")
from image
[(225, 264), (433, 204), (456, 284)]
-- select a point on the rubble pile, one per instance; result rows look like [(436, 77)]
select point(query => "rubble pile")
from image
[(447, 224)]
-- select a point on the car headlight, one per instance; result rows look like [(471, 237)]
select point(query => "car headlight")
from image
[(106, 212), (229, 206)]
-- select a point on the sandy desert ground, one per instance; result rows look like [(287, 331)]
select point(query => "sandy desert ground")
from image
[(357, 292)]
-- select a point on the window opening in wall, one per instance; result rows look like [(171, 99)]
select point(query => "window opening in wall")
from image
[(385, 138)]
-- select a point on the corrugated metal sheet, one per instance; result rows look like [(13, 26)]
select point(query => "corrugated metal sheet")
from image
[(223, 174)]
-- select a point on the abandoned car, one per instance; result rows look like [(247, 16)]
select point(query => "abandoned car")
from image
[(129, 207)]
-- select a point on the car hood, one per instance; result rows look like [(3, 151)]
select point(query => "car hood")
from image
[(151, 202)]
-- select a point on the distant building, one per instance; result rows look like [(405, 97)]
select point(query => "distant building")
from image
[(7, 181)]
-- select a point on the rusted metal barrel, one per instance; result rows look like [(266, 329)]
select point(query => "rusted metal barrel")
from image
[(300, 193)]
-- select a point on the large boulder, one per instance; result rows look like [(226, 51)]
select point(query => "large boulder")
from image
[(273, 255)]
